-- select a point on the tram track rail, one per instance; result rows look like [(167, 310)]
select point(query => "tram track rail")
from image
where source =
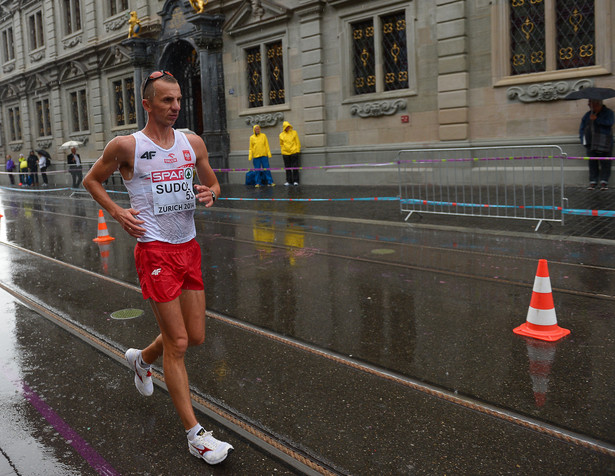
[(295, 458), (411, 266), (268, 443)]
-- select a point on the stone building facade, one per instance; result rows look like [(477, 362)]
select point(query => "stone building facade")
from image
[(359, 80)]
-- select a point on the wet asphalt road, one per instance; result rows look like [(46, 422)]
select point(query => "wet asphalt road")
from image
[(359, 346)]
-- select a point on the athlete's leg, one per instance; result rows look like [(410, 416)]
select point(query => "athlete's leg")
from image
[(182, 323), (193, 311), (175, 342)]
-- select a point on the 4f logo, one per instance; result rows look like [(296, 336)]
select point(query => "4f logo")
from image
[(148, 155)]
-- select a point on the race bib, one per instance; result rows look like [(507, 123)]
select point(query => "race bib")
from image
[(172, 190)]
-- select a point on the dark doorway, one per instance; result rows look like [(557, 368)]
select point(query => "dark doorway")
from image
[(182, 60)]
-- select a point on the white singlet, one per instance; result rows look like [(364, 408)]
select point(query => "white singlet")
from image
[(161, 189)]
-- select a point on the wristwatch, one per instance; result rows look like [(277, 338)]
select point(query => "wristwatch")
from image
[(213, 195)]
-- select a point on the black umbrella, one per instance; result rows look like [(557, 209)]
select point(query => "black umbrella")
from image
[(44, 152), (592, 93)]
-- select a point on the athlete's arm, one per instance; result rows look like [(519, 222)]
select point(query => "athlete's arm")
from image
[(119, 154), (207, 177)]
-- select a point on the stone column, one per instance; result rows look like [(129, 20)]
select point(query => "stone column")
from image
[(89, 23), (141, 58), (51, 34), (453, 76), (208, 39), (312, 66), (56, 113)]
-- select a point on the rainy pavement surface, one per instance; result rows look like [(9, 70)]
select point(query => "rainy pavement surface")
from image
[(340, 339)]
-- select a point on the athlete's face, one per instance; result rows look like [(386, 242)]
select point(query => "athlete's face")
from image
[(165, 104)]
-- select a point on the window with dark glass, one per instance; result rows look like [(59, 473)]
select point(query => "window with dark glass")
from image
[(363, 57), (394, 52), (255, 77), (124, 98), (527, 36), (14, 123), (576, 39), (116, 6), (43, 117), (8, 48), (573, 25), (72, 16), (265, 75), (275, 71), (35, 22), (79, 111)]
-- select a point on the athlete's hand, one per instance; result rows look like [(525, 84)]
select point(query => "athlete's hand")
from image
[(204, 195), (127, 217)]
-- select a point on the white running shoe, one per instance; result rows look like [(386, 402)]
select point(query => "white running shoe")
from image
[(205, 446), (143, 377)]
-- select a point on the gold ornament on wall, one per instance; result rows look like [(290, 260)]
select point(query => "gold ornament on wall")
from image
[(198, 5), (134, 25), (527, 28), (575, 20)]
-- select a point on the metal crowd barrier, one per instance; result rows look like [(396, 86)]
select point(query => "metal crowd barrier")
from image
[(522, 182)]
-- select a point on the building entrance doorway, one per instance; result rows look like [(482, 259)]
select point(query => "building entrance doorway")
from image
[(182, 60)]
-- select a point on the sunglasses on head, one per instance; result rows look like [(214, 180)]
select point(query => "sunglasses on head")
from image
[(154, 76)]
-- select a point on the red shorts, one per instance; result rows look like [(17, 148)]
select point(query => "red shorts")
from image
[(165, 269)]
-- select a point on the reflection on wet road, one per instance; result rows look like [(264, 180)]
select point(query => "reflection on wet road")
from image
[(332, 334)]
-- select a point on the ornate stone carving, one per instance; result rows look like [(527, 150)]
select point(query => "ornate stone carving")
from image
[(44, 143), (7, 68), (257, 9), (39, 55), (83, 139), (543, 92), (380, 108), (265, 120), (115, 24), (16, 147), (124, 132), (72, 42)]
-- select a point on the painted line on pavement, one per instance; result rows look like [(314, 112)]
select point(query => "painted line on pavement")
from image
[(70, 435)]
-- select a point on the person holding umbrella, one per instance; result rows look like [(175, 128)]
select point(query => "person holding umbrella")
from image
[(74, 166), (33, 169), (596, 133), (43, 163)]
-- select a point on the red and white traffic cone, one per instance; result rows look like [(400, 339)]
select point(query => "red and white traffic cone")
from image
[(103, 232), (541, 321)]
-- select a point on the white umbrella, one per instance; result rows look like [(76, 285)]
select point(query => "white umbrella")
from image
[(71, 143)]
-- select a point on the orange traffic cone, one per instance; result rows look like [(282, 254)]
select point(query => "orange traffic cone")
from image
[(103, 232), (541, 355), (541, 321)]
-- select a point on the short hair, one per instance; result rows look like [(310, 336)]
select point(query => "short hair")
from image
[(147, 88)]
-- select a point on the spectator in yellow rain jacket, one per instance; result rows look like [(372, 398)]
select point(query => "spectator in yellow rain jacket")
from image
[(23, 170), (291, 147), (260, 153)]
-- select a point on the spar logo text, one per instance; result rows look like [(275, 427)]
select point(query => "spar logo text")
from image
[(167, 175)]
